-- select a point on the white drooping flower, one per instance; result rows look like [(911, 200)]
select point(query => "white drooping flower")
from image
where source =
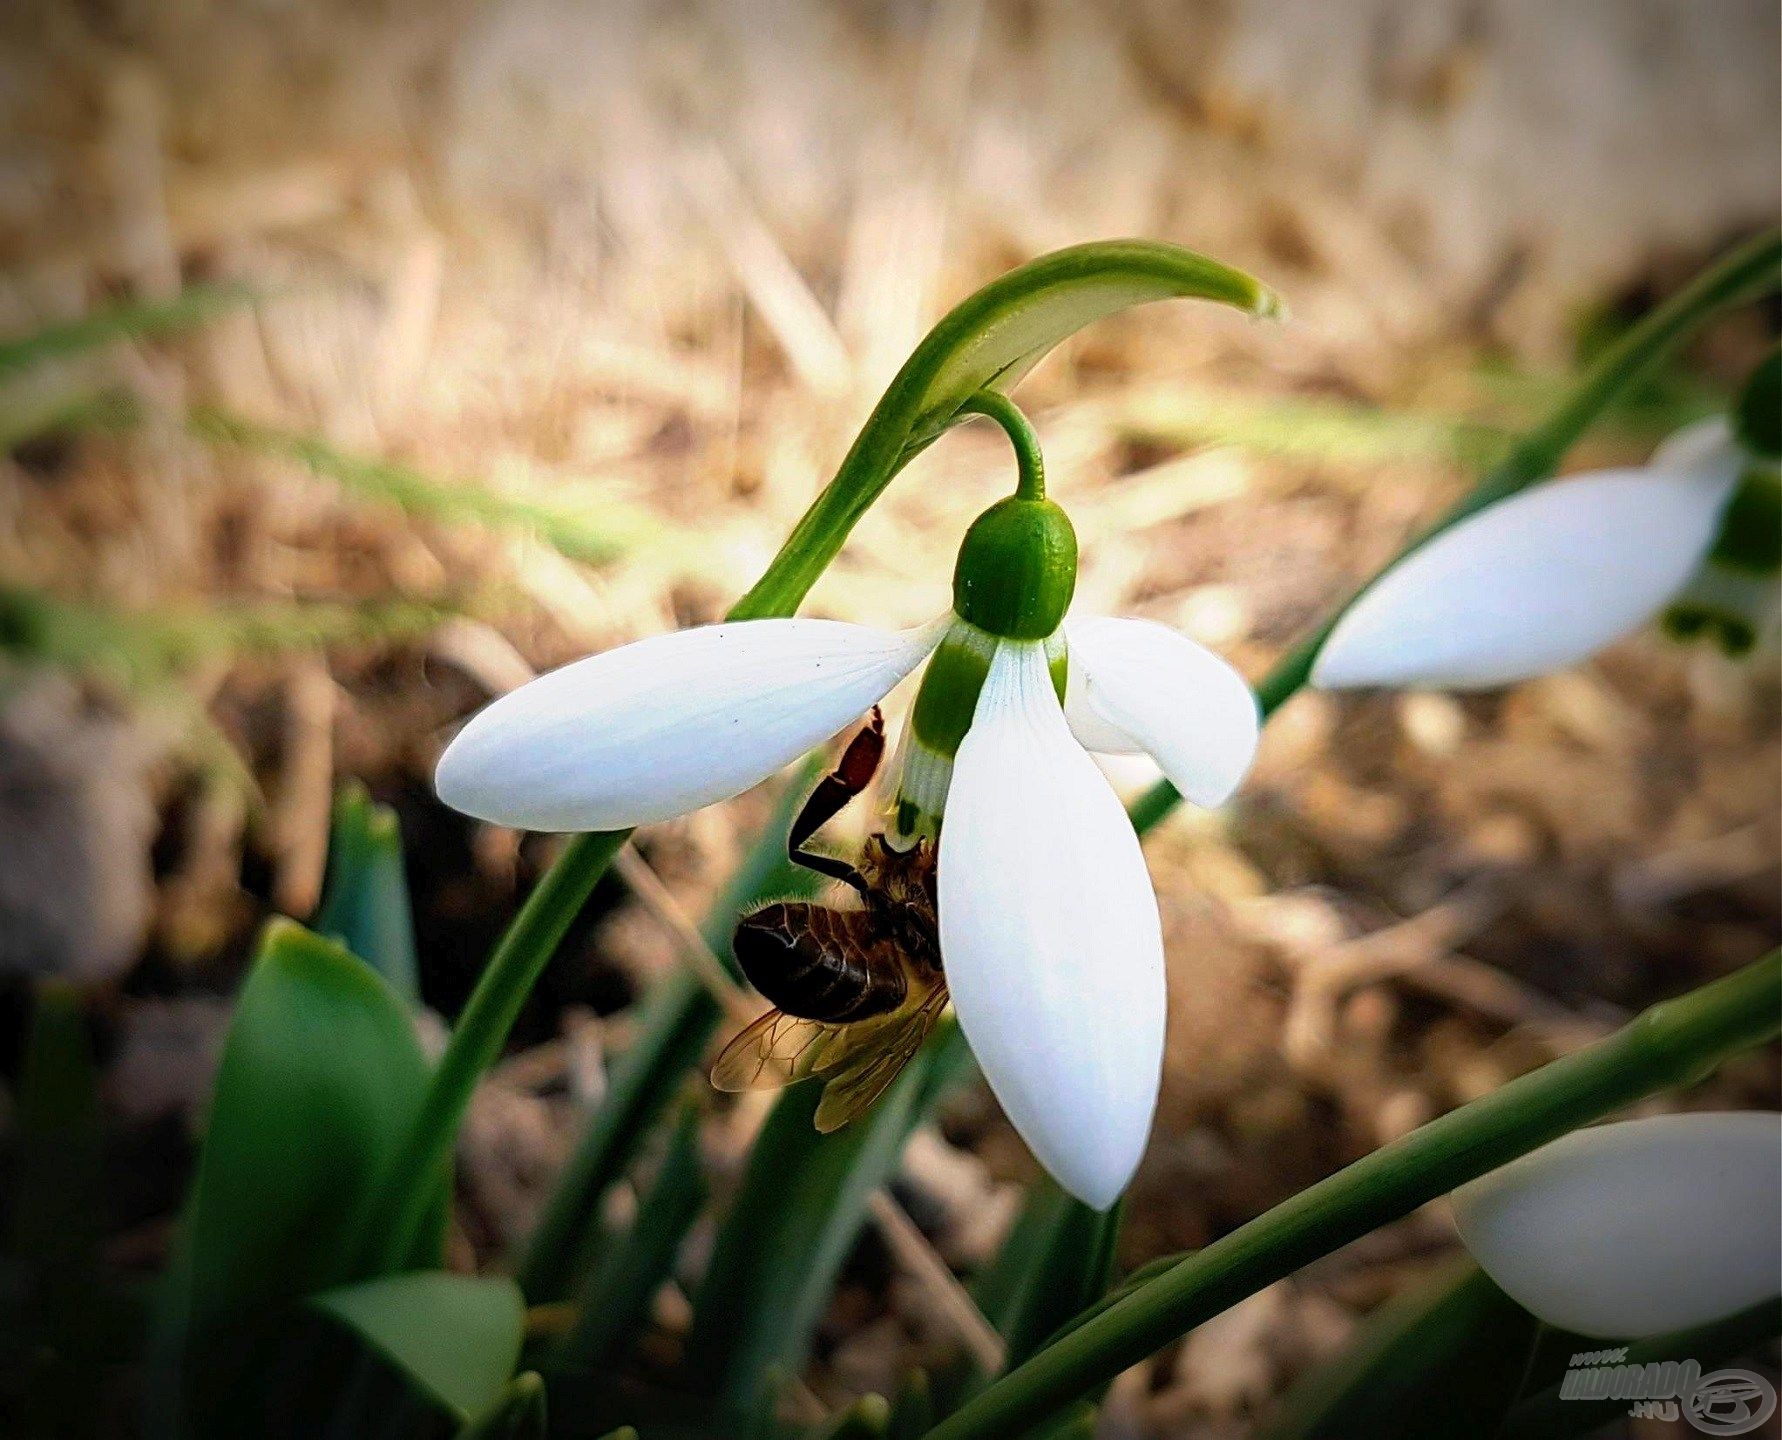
[(1546, 578), (1635, 1229), (1049, 929)]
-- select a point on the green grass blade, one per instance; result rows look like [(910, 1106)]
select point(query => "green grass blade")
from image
[(614, 1305), (365, 903), (519, 1414), (674, 1025), (320, 1077), (126, 320), (456, 1338), (1445, 1359), (796, 1214), (585, 538)]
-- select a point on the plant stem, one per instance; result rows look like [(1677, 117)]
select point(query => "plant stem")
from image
[(393, 1228), (1675, 1043), (1029, 463), (1752, 270)]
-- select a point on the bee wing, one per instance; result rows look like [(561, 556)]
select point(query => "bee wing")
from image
[(773, 1051), (858, 1068)]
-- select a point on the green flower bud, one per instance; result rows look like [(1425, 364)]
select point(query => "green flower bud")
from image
[(1757, 418), (1017, 569)]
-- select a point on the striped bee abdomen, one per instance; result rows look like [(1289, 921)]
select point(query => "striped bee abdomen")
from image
[(818, 963)]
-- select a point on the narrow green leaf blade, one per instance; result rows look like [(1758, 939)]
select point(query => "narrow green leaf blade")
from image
[(365, 903), (1443, 1360), (457, 1337), (799, 1208), (519, 1414), (675, 1023), (868, 1418), (127, 320), (321, 1076), (614, 1306)]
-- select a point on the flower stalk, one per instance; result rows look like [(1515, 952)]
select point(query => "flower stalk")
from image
[(1674, 1044)]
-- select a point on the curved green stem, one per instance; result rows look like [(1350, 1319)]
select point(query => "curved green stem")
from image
[(1748, 273), (1031, 465), (393, 1228), (1673, 1044), (988, 341)]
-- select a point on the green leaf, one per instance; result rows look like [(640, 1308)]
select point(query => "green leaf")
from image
[(1054, 1263), (799, 1208), (990, 340), (1443, 1360), (1066, 1269), (615, 1303), (456, 1337), (519, 1414), (912, 1413), (365, 903), (868, 1418), (127, 320), (674, 1025), (590, 539), (321, 1077)]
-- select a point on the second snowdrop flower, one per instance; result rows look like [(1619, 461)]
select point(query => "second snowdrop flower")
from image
[(1546, 578)]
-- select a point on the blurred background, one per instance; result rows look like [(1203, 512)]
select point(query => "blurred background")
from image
[(358, 360)]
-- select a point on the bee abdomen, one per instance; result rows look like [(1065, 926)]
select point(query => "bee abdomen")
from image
[(815, 963)]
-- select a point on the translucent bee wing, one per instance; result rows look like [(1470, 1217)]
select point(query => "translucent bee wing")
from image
[(863, 1060), (772, 1052)]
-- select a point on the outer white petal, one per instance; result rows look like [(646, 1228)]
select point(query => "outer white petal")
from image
[(1638, 1228), (671, 723), (1136, 685), (1705, 444), (1535, 583), (1050, 936)]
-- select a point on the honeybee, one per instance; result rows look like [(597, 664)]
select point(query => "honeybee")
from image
[(855, 991)]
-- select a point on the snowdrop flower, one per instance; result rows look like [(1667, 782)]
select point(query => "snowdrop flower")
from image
[(1548, 577), (1636, 1229), (1049, 928)]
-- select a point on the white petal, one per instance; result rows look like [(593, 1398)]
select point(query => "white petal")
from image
[(1532, 584), (1635, 1229), (1703, 445), (1049, 934), (669, 724), (1138, 686)]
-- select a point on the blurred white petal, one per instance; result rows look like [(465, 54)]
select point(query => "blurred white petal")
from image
[(1535, 583), (1049, 934), (1635, 1229), (1705, 444), (669, 724), (1139, 686)]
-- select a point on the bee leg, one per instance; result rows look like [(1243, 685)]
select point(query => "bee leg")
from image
[(852, 774)]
